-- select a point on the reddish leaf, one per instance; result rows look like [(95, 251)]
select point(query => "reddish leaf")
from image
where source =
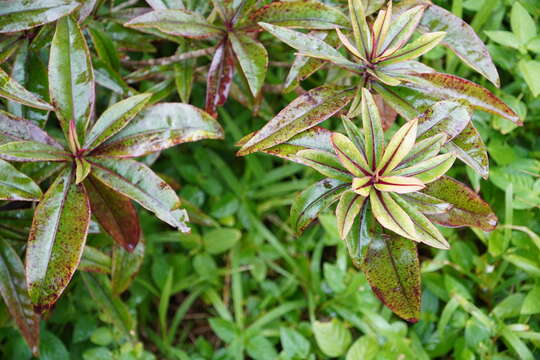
[(220, 76), (467, 208), (393, 271), (115, 213)]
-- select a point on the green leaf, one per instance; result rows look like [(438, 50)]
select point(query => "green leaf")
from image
[(365, 348), (530, 69), (309, 45), (461, 39), (333, 338), (14, 291), (326, 163), (399, 184), (260, 348), (94, 260), (401, 30), (523, 25), (253, 60), (427, 204), (444, 117), (450, 87), (114, 119), (71, 78), (426, 232), (373, 132), (14, 185), (304, 112), (220, 77), (393, 272), (136, 181), (468, 209), (399, 146), (310, 202), (505, 38), (159, 127), (361, 30), (390, 215), (428, 170), (111, 305), (417, 48), (300, 14), (469, 147), (125, 266), (12, 90), (24, 15), (177, 22), (350, 156), (104, 46), (183, 73), (32, 151), (218, 241), (348, 208), (294, 343), (531, 305), (56, 240), (165, 4), (424, 149), (82, 169), (224, 329), (115, 213)]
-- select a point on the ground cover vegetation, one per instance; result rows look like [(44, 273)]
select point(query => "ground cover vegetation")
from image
[(229, 179)]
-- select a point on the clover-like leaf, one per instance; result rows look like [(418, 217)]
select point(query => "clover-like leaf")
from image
[(56, 240)]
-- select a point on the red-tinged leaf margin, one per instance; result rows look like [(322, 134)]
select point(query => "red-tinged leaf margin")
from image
[(220, 77), (467, 208), (14, 291), (115, 213), (56, 241), (392, 269)]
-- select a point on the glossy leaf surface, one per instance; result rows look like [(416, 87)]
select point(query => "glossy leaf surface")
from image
[(14, 185), (136, 181), (56, 240), (12, 90), (253, 60), (469, 147), (302, 113), (326, 163), (14, 291), (349, 206), (390, 215), (24, 15), (71, 78), (125, 266), (159, 127), (32, 151), (220, 77)]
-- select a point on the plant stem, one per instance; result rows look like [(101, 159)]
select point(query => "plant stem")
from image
[(170, 59)]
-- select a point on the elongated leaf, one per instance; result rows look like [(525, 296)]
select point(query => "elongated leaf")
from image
[(424, 149), (165, 4), (14, 291), (308, 45), (24, 15), (94, 260), (326, 163), (469, 147), (349, 206), (349, 46), (71, 78), (56, 240), (399, 184), (451, 87), (461, 38), (390, 215), (304, 112), (426, 204), (139, 183), (393, 272), (426, 232), (468, 209), (399, 146), (115, 310), (220, 77), (14, 185), (177, 22), (381, 26), (446, 117), (125, 266), (362, 185), (361, 30), (12, 90), (373, 132), (114, 212), (82, 169), (183, 72), (400, 30), (159, 127), (114, 119), (253, 60), (310, 202), (32, 151), (417, 48), (301, 14), (428, 170), (350, 156)]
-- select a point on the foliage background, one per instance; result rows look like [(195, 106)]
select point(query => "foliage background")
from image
[(251, 289)]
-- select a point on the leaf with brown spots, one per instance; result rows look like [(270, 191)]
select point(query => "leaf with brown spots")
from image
[(115, 213), (220, 77), (467, 208), (56, 240)]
